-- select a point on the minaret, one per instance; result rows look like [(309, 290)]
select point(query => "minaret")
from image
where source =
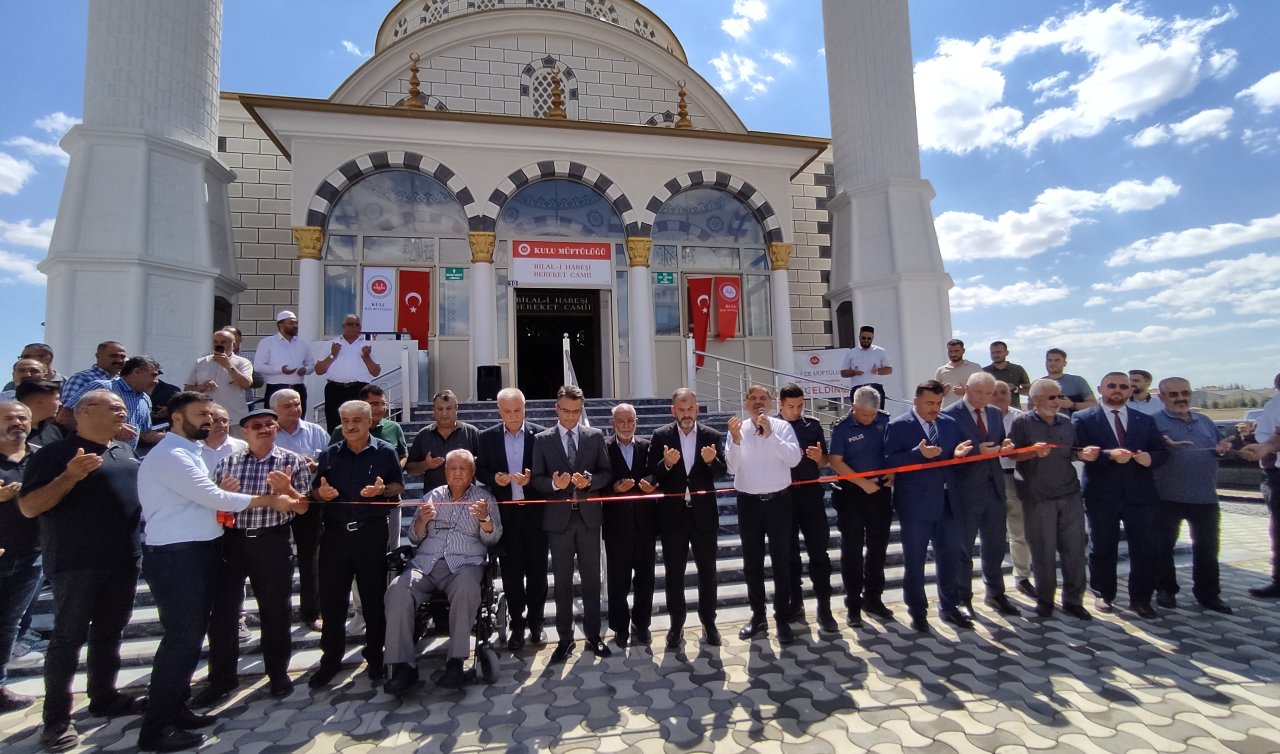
[(885, 258), (142, 244)]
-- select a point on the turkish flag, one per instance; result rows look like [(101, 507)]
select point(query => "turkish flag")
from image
[(414, 313), (699, 313), (728, 295)]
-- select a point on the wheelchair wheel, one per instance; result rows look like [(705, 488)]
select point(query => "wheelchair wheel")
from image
[(487, 663), (500, 617)]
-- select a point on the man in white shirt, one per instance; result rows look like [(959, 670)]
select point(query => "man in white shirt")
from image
[(865, 362), (349, 367), (223, 377), (761, 452), (955, 374), (219, 444), (1267, 435), (284, 359)]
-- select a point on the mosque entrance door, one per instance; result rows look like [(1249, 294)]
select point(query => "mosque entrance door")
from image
[(543, 318)]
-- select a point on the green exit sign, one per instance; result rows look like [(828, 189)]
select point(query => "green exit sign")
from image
[(453, 273), (666, 278)]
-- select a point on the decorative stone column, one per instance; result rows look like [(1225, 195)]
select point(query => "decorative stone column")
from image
[(484, 301), (640, 317), (310, 242), (783, 350)]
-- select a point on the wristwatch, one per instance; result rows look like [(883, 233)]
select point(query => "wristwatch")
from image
[(485, 520)]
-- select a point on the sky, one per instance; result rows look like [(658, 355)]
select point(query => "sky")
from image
[(1105, 171)]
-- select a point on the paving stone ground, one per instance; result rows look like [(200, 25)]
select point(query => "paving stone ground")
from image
[(1190, 681)]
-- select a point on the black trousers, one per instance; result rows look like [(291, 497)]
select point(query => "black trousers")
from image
[(1204, 521), (809, 516), (864, 520), (523, 560), (88, 607), (1271, 493), (264, 560), (1141, 531), (676, 544), (344, 555), (272, 387), (760, 517), (306, 539), (631, 568), (336, 394), (581, 543)]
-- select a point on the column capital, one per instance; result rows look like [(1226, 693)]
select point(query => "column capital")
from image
[(482, 243), (638, 251), (310, 240), (779, 255)]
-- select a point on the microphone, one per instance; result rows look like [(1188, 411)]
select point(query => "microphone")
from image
[(759, 428)]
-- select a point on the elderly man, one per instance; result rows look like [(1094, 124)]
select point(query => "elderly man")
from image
[(284, 360), (445, 433), (955, 374), (223, 376), (864, 505), (43, 353), (808, 509), (453, 530), (309, 441), (391, 433), (109, 358), (255, 546), (219, 444), (19, 541), (761, 455), (505, 467), (630, 531), (1188, 487), (979, 485), (1049, 489), (359, 479), (348, 367), (1002, 398), (41, 397), (84, 489)]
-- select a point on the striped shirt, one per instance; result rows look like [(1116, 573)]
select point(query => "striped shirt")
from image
[(138, 404), (252, 473), (455, 534), (80, 383)]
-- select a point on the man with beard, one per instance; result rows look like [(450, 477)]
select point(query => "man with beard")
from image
[(284, 360), (809, 509), (19, 541), (223, 376)]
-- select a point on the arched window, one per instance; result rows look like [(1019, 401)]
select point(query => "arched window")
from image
[(535, 88)]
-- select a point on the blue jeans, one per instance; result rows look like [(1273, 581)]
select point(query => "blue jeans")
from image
[(19, 578)]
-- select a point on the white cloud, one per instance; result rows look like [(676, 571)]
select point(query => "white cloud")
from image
[(15, 267), (1095, 301), (14, 173), (24, 233), (354, 50), (782, 58), (1203, 125), (37, 148), (1196, 242), (965, 236), (745, 13), (739, 70), (1260, 140), (1023, 293), (1247, 285), (736, 27), (958, 99), (1265, 93), (57, 124)]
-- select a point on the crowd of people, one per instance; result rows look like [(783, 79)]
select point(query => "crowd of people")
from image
[(111, 473)]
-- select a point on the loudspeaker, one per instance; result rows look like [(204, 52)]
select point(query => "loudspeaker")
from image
[(488, 382)]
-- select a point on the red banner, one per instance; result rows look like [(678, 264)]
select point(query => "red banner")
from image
[(728, 296), (699, 312), (414, 313)]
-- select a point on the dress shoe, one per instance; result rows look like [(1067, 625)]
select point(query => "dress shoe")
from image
[(966, 609), (59, 737), (1026, 587), (827, 621), (956, 618), (404, 676), (785, 634), (1216, 604), (562, 651), (11, 701), (119, 705), (878, 609), (642, 635), (188, 720), (675, 637), (599, 648), (622, 640), (1270, 591), (1077, 611), (453, 677), (1104, 605), (753, 628), (1166, 600), (515, 642), (537, 635), (1001, 604), (377, 672), (323, 676), (920, 625), (855, 619), (280, 687), (797, 615), (212, 695), (1145, 610), (1044, 610), (711, 635), (171, 739)]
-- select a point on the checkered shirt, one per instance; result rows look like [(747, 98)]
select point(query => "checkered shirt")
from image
[(252, 473)]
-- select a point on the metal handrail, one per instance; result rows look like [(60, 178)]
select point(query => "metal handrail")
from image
[(745, 380), (393, 412)]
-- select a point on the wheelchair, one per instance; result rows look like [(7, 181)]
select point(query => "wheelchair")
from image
[(432, 615)]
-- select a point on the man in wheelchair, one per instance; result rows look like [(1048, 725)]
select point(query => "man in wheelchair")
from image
[(452, 531)]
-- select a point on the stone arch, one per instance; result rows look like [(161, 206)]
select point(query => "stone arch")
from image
[(573, 171), (353, 170), (748, 194)]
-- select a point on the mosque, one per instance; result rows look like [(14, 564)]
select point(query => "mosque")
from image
[(499, 174)]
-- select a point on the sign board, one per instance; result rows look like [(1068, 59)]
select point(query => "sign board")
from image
[(454, 273), (559, 264), (378, 304), (555, 304), (822, 366), (665, 278)]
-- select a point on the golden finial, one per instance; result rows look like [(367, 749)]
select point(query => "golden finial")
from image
[(414, 101), (683, 110), (556, 110)]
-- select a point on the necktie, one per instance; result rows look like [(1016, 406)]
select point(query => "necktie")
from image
[(982, 426), (571, 449), (931, 434), (1119, 427)]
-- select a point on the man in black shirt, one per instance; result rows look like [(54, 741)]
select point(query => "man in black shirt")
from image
[(19, 541), (356, 480), (808, 509), (433, 443), (85, 491), (41, 397)]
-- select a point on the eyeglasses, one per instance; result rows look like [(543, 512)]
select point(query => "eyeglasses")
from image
[(1117, 386)]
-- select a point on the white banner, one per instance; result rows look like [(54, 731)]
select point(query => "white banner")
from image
[(378, 300), (823, 366), (559, 264)]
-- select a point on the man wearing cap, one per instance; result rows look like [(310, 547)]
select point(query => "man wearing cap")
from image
[(255, 545), (865, 362), (284, 359)]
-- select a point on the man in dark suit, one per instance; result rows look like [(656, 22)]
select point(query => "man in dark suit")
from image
[(686, 457), (630, 531), (569, 463), (979, 486), (1119, 487), (928, 510), (505, 467)]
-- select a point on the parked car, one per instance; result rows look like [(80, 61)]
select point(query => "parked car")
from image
[(1234, 471)]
